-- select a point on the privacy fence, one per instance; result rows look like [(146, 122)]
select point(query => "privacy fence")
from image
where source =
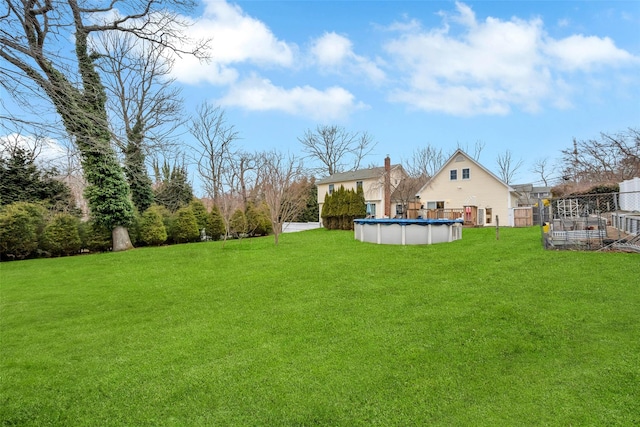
[(591, 221)]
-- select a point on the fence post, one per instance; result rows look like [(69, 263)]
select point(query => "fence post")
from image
[(497, 228), (541, 218)]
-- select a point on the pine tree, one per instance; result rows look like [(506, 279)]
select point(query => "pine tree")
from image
[(61, 235), (185, 226), (152, 228), (215, 224)]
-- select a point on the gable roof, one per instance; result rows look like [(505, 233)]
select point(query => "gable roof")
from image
[(469, 158), (357, 175)]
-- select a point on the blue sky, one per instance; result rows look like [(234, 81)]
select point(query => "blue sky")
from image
[(528, 76), (525, 76)]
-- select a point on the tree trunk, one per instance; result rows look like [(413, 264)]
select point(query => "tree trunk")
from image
[(121, 241)]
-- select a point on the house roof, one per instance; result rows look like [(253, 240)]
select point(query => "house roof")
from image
[(541, 190), (357, 175), (457, 152), (523, 187), (529, 188)]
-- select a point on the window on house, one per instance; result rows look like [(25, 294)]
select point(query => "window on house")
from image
[(435, 205), (399, 209), (330, 189), (453, 174), (466, 173), (358, 185), (488, 212), (371, 210)]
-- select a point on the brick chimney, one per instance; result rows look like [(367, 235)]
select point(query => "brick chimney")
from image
[(387, 187)]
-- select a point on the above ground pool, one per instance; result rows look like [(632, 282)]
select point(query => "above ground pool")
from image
[(407, 231)]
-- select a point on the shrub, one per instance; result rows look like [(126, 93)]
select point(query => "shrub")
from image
[(200, 211), (342, 207), (238, 223), (152, 228), (134, 228), (61, 236), (258, 222), (185, 226), (167, 219), (215, 224), (310, 212), (97, 238), (21, 227)]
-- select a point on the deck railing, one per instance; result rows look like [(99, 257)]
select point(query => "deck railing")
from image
[(443, 213)]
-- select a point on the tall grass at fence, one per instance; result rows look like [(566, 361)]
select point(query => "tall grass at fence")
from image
[(323, 330)]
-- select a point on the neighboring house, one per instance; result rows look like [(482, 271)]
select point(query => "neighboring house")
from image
[(374, 183), (463, 188), (529, 195)]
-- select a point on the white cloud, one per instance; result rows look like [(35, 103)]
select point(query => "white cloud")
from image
[(191, 71), (235, 38), (334, 53), (332, 49), (260, 94), (491, 66), (578, 52), (47, 152), (465, 16)]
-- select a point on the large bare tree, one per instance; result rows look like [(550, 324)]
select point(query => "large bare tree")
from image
[(425, 162), (280, 180), (336, 148), (215, 146), (478, 146), (35, 40), (144, 103), (405, 193), (508, 166), (542, 168), (612, 158), (244, 167)]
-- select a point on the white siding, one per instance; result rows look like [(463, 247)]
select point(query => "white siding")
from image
[(482, 189)]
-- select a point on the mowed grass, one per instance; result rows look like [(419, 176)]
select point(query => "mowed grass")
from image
[(323, 330)]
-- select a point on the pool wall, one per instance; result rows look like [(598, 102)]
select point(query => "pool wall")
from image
[(407, 231)]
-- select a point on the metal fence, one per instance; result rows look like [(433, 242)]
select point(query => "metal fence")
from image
[(591, 221)]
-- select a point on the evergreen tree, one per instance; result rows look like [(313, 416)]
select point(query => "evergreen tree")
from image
[(96, 237), (152, 228), (185, 226), (61, 235), (21, 227), (215, 224), (310, 212), (342, 207), (327, 212), (136, 172), (238, 223), (174, 191), (22, 181), (258, 222), (200, 211)]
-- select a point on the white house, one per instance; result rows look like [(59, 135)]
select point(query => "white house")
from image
[(376, 183), (463, 188)]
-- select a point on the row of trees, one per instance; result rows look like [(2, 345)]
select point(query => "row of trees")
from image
[(341, 207), (117, 104), (604, 161), (25, 181), (29, 229)]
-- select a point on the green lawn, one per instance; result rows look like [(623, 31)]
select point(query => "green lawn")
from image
[(323, 330)]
